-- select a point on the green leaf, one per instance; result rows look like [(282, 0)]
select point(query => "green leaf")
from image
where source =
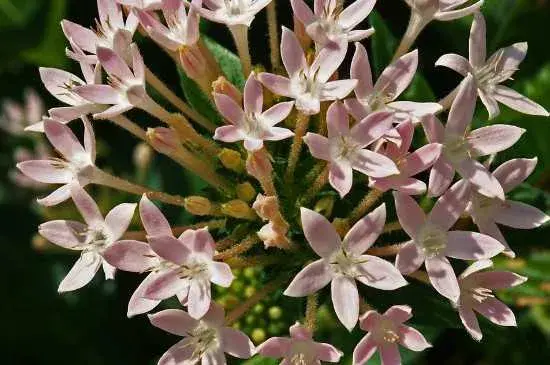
[(258, 360), (383, 43), (197, 99), (228, 61), (17, 13)]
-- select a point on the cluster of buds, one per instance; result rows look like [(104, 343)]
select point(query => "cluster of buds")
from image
[(358, 135)]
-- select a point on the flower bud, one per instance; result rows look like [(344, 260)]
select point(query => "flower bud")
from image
[(231, 160), (163, 140), (192, 61), (198, 205), (238, 209), (223, 86), (324, 206), (246, 192), (259, 165)]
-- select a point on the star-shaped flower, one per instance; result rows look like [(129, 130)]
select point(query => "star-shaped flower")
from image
[(308, 84), (462, 147), (328, 25), (15, 118), (443, 10), (300, 348), (91, 238), (205, 340), (432, 242), (231, 12), (345, 148), (408, 163), (144, 4), (112, 30), (252, 125), (490, 73), (385, 332), (343, 262), (487, 212), (476, 295), (77, 165), (390, 85)]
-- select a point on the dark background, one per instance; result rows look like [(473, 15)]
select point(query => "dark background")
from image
[(38, 326)]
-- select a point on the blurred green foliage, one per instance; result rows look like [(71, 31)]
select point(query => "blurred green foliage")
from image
[(90, 327)]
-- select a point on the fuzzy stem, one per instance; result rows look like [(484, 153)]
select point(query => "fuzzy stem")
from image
[(302, 124), (311, 312), (273, 35), (392, 227), (128, 125), (363, 207), (165, 91), (238, 249), (417, 23), (240, 36), (390, 250), (239, 262), (100, 177), (316, 186), (238, 312), (141, 235)]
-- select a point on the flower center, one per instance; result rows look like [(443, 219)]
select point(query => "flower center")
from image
[(253, 125), (302, 353), (194, 270), (494, 71), (386, 332), (236, 7), (456, 149), (343, 147), (432, 240), (203, 339), (484, 207)]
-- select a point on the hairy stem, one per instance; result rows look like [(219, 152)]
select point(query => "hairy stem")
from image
[(273, 35), (316, 186), (364, 206), (128, 125), (238, 249), (311, 312), (417, 23), (240, 36), (302, 124), (390, 250)]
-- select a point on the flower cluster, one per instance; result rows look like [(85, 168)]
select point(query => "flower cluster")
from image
[(331, 132)]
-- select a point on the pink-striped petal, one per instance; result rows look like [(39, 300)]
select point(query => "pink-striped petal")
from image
[(484, 182), (379, 273), (355, 13), (153, 220), (512, 173), (170, 248), (318, 146), (166, 285), (45, 171), (364, 350), (198, 301), (441, 177), (113, 64), (253, 95), (132, 256), (337, 90), (138, 303), (66, 234), (173, 321), (229, 134), (365, 232), (497, 280), (311, 279), (450, 206), (520, 215), (374, 164), (119, 218), (421, 159), (494, 138), (412, 339), (63, 139), (372, 127), (411, 217), (442, 277), (341, 176), (275, 347), (57, 196), (221, 274), (496, 311), (398, 76), (345, 299), (236, 343), (477, 45), (230, 110), (337, 120), (389, 354), (279, 85), (278, 112), (399, 313), (462, 110), (361, 71), (471, 246), (470, 322), (87, 207), (409, 258), (516, 101), (302, 12), (292, 53), (455, 62)]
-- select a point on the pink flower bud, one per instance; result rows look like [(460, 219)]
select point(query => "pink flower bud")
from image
[(163, 140), (223, 86)]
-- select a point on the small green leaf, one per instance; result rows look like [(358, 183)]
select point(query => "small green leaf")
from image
[(258, 360), (228, 61), (197, 99)]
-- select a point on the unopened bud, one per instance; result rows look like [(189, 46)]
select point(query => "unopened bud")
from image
[(198, 205), (163, 140), (143, 155), (301, 34), (192, 61), (324, 206), (246, 192), (223, 86), (259, 165), (231, 160), (238, 209)]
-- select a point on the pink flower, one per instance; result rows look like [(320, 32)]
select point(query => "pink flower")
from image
[(432, 242), (62, 85), (77, 165), (300, 348), (205, 340), (91, 238), (181, 29), (308, 85), (461, 147), (487, 212), (127, 86), (112, 31), (382, 94), (408, 163), (476, 295), (14, 118), (490, 73), (443, 10), (345, 150), (251, 124), (143, 4), (328, 24), (231, 12), (22, 154), (385, 332), (136, 256), (342, 262)]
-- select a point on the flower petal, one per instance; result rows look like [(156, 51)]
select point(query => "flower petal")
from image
[(379, 273), (66, 234), (221, 274), (275, 347), (421, 159), (409, 213), (198, 301), (114, 65), (87, 207), (455, 62), (373, 164), (166, 285), (153, 220), (119, 218), (399, 313), (45, 171), (497, 280), (472, 246), (253, 95), (469, 320), (57, 196), (302, 12), (361, 71), (81, 273), (236, 343), (512, 173), (442, 277), (337, 120), (341, 176), (477, 45), (337, 90), (170, 248), (494, 138), (398, 75), (292, 53), (364, 350), (372, 127), (174, 321), (311, 279), (462, 109), (365, 232), (138, 303), (450, 206), (355, 13), (327, 353), (278, 112), (345, 299), (63, 139), (183, 352), (101, 94), (318, 146), (497, 312), (520, 215), (279, 85), (389, 354), (484, 182), (230, 110), (409, 258), (412, 339), (129, 255), (229, 134), (516, 101)]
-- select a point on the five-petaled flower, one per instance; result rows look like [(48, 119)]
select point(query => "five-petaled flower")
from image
[(343, 262), (345, 148), (461, 147), (231, 12), (91, 238), (487, 212), (252, 124), (381, 96), (432, 242), (329, 25), (490, 73), (408, 163), (476, 295), (300, 348), (308, 84), (443, 10), (205, 340), (385, 332), (143, 4), (77, 164)]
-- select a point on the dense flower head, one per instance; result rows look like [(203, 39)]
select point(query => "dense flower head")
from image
[(284, 154)]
